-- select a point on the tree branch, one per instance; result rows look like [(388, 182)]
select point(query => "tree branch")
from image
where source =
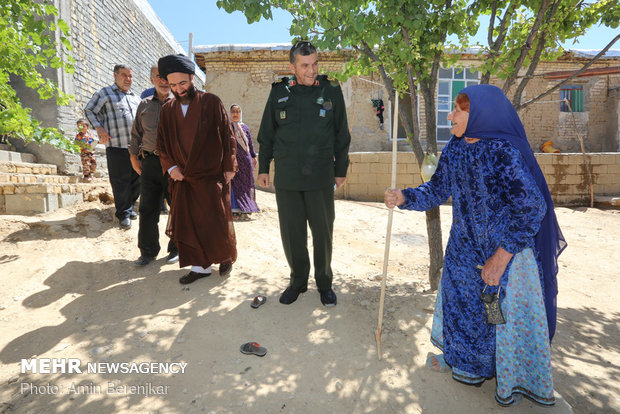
[(415, 126), (492, 23), (527, 46), (495, 46), (540, 47)]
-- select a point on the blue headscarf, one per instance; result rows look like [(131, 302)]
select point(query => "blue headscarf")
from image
[(492, 116)]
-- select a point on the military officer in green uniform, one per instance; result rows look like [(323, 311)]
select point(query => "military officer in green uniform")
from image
[(304, 130)]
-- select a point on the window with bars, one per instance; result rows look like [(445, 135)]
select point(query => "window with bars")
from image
[(451, 81), (574, 95)]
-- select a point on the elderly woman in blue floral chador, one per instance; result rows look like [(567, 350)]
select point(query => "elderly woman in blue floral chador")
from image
[(504, 240)]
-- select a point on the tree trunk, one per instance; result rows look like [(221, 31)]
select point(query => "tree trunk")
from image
[(435, 247), (433, 221)]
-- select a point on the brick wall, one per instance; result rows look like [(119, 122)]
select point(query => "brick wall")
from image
[(370, 173)]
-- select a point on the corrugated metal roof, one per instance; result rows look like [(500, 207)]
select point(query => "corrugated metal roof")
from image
[(250, 47)]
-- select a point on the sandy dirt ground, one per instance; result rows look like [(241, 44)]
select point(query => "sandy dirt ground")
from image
[(70, 290)]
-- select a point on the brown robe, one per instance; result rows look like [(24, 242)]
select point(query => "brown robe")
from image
[(202, 145)]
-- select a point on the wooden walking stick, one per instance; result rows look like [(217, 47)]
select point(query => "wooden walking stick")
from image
[(388, 233)]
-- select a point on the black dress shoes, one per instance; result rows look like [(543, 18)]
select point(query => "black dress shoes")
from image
[(290, 294), (191, 277), (143, 260), (125, 223), (133, 215), (173, 257), (328, 297), (225, 269)]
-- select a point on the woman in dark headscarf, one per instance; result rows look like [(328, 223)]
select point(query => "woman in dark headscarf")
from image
[(504, 240), (243, 196)]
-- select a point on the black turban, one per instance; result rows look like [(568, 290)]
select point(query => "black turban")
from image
[(175, 63)]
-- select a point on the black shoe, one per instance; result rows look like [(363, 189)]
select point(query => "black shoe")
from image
[(225, 269), (173, 257), (143, 260), (125, 223), (290, 294), (192, 277), (133, 215), (328, 297)]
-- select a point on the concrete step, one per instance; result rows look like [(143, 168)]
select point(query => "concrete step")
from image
[(16, 156), (10, 178), (15, 167)]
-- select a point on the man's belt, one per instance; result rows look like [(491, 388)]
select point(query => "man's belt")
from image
[(145, 154)]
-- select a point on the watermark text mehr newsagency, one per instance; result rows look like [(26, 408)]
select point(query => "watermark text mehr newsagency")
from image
[(75, 366)]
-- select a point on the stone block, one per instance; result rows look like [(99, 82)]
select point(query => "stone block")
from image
[(599, 169), (610, 159), (36, 188), (543, 159), (560, 159), (385, 157), (413, 168), (606, 179), (614, 169), (367, 178), (357, 191), (30, 203), (369, 157), (68, 199), (377, 168), (385, 180), (574, 179), (404, 180), (376, 191), (359, 168)]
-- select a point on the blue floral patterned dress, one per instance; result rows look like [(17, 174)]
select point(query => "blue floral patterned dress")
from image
[(495, 202)]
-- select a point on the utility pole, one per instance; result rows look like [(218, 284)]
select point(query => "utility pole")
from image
[(190, 47)]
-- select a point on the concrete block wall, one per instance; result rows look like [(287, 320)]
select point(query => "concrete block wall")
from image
[(370, 173)]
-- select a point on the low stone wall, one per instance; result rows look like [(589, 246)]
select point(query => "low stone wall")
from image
[(370, 173)]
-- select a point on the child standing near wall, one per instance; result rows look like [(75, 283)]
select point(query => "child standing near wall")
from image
[(87, 143)]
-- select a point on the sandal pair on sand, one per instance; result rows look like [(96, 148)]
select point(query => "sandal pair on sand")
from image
[(253, 348)]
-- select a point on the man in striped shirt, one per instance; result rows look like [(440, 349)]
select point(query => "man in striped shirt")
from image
[(111, 111)]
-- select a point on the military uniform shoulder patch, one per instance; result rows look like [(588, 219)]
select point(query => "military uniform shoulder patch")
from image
[(327, 80), (280, 81)]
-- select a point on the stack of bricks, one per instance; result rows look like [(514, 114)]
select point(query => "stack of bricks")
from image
[(370, 173)]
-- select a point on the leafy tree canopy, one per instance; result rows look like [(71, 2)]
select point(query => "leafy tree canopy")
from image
[(31, 38)]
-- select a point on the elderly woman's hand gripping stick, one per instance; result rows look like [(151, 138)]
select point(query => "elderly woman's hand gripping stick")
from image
[(393, 198)]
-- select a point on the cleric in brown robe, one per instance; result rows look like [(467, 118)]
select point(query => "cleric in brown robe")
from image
[(197, 150)]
